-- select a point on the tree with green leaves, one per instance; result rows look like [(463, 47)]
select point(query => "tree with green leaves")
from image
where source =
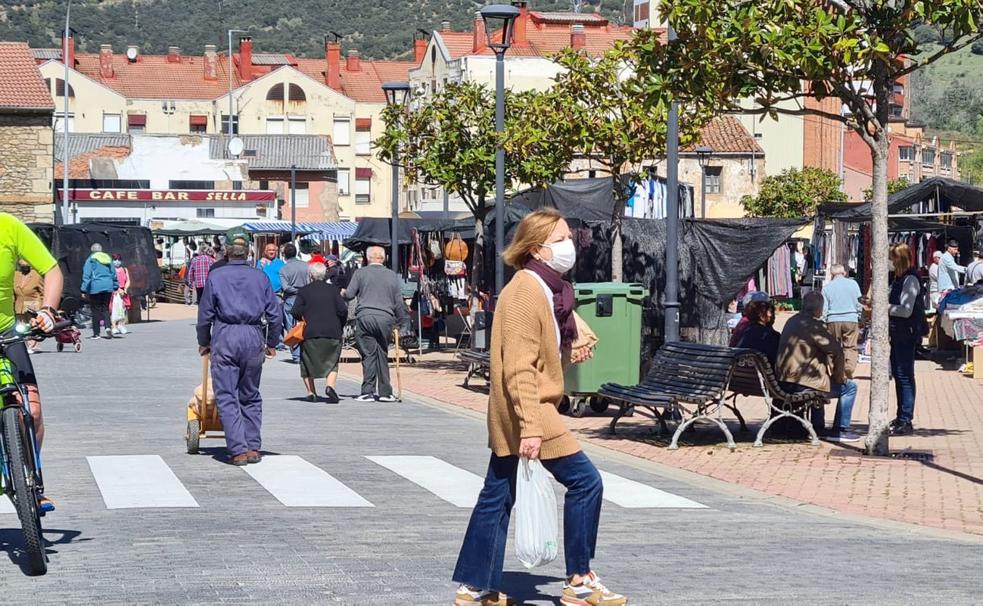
[(794, 193), (780, 51), (449, 140), (595, 113)]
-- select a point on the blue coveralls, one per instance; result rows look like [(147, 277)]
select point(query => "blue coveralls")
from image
[(237, 316)]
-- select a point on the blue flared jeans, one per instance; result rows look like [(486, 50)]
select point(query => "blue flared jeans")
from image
[(482, 555)]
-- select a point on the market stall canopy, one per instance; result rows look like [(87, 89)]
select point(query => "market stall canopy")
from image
[(274, 227), (337, 230), (947, 191), (191, 227), (374, 231)]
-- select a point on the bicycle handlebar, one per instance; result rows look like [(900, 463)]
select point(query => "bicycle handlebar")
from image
[(35, 334)]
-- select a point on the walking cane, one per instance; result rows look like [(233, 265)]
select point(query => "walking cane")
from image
[(399, 379)]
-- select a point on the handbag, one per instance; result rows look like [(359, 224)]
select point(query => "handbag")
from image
[(295, 336), (454, 269), (456, 249)]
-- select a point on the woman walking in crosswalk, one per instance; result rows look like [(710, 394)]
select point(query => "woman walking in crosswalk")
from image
[(533, 323)]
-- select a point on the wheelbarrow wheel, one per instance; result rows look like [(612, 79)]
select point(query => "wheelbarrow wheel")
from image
[(578, 407), (60, 347), (194, 433), (564, 407)]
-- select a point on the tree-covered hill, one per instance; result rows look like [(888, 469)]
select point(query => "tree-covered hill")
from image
[(377, 28)]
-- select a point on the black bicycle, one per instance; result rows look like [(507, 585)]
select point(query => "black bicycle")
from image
[(21, 456)]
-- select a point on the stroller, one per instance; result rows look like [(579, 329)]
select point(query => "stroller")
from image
[(71, 335)]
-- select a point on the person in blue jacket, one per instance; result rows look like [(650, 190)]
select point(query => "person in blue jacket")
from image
[(99, 283), (239, 320)]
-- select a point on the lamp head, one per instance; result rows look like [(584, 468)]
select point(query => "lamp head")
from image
[(499, 17), (703, 154), (397, 93)]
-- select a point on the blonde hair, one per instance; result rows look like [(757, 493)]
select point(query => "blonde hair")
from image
[(901, 259), (534, 229)]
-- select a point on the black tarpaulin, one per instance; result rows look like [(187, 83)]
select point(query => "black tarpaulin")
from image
[(947, 191), (584, 199), (716, 258), (71, 244)]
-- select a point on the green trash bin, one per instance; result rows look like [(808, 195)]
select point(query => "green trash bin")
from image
[(614, 312)]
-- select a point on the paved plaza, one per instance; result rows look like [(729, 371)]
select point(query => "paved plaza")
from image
[(366, 504)]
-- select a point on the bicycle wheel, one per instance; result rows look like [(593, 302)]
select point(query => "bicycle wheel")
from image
[(25, 497)]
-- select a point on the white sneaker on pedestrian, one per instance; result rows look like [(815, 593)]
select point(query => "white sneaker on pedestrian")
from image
[(846, 437), (116, 331), (123, 331), (366, 397), (469, 596), (387, 399)]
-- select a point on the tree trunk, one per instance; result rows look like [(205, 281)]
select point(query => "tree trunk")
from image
[(880, 374), (617, 242)]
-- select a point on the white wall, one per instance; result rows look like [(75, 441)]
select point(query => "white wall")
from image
[(185, 158)]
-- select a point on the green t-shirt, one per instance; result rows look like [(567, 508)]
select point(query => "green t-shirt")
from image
[(17, 241)]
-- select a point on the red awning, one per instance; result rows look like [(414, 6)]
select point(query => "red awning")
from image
[(363, 123), (199, 120), (136, 119), (363, 173)]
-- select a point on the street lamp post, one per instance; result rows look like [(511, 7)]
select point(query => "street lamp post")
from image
[(499, 18), (293, 203), (397, 95), (672, 220), (61, 217), (229, 67), (703, 154)]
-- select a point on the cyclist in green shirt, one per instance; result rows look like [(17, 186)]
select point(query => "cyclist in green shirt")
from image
[(17, 241)]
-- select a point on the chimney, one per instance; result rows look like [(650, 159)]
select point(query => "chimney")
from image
[(480, 40), (210, 62), (578, 38), (70, 51), (106, 60), (354, 61), (445, 26), (332, 53), (245, 58), (173, 54), (520, 37), (419, 49)]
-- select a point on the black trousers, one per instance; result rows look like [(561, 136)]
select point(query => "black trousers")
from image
[(99, 302), (372, 334)]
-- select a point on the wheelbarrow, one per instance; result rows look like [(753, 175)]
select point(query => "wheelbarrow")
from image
[(203, 419)]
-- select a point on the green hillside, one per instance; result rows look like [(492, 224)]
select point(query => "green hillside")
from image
[(379, 29), (948, 94)]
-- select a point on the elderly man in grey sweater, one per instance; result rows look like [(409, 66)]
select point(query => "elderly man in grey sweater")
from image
[(378, 309)]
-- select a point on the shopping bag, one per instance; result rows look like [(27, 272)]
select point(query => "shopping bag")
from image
[(295, 336), (536, 526), (118, 310)]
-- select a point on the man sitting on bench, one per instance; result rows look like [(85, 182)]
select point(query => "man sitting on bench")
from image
[(809, 357)]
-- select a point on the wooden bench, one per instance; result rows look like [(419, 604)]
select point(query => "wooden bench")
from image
[(479, 364), (754, 377), (682, 374)]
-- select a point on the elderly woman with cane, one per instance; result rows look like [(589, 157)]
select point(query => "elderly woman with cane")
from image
[(534, 325), (324, 312)]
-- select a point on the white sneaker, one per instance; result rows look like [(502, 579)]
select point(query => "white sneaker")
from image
[(366, 397), (387, 399), (591, 592), (123, 331), (116, 331), (468, 596), (846, 437)]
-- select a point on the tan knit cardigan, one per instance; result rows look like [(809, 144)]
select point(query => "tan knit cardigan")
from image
[(526, 373)]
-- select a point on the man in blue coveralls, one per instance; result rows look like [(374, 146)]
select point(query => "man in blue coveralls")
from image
[(239, 321)]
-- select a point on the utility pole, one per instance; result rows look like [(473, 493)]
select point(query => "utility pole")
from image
[(61, 217), (672, 221)]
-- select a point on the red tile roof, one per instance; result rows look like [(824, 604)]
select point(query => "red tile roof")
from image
[(726, 135), (364, 85), (78, 166), (21, 85), (153, 77), (547, 34)]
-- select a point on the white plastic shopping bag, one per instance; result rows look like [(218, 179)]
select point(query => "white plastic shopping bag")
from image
[(536, 526), (118, 309)]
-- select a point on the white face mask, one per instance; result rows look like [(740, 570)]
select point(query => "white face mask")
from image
[(564, 255)]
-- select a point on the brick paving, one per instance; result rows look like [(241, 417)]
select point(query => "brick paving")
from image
[(935, 478)]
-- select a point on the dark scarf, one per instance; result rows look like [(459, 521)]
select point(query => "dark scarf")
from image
[(563, 300)]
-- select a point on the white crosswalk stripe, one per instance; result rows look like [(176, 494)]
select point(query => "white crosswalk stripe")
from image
[(297, 483), (635, 495), (146, 481), (452, 484), (136, 481)]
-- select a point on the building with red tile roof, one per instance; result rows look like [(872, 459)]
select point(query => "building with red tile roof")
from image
[(25, 136)]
